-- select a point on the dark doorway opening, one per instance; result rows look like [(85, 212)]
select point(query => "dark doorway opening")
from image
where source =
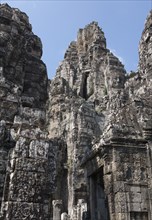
[(85, 85), (98, 199), (138, 216)]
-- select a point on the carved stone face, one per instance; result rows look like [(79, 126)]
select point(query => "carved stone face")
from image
[(117, 81), (5, 20), (20, 54), (33, 46), (13, 25)]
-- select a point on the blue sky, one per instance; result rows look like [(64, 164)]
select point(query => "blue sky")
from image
[(57, 23)]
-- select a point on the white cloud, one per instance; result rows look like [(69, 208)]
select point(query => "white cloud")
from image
[(117, 55)]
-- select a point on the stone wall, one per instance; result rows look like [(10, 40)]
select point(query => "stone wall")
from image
[(26, 155), (104, 116)]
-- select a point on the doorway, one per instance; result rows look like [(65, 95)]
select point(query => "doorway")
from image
[(98, 199)]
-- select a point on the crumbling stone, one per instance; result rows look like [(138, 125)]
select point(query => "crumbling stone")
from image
[(25, 148)]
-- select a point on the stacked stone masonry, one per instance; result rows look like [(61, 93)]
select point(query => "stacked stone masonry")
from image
[(79, 146)]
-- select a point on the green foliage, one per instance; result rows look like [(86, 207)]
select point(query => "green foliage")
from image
[(132, 74)]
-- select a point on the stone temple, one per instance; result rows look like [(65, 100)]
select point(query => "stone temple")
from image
[(79, 146)]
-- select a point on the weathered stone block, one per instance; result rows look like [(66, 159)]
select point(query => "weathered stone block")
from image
[(135, 207), (31, 165), (119, 186), (121, 216), (38, 149)]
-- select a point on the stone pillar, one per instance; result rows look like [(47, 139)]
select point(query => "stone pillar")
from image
[(81, 210), (57, 208), (74, 212), (65, 216)]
